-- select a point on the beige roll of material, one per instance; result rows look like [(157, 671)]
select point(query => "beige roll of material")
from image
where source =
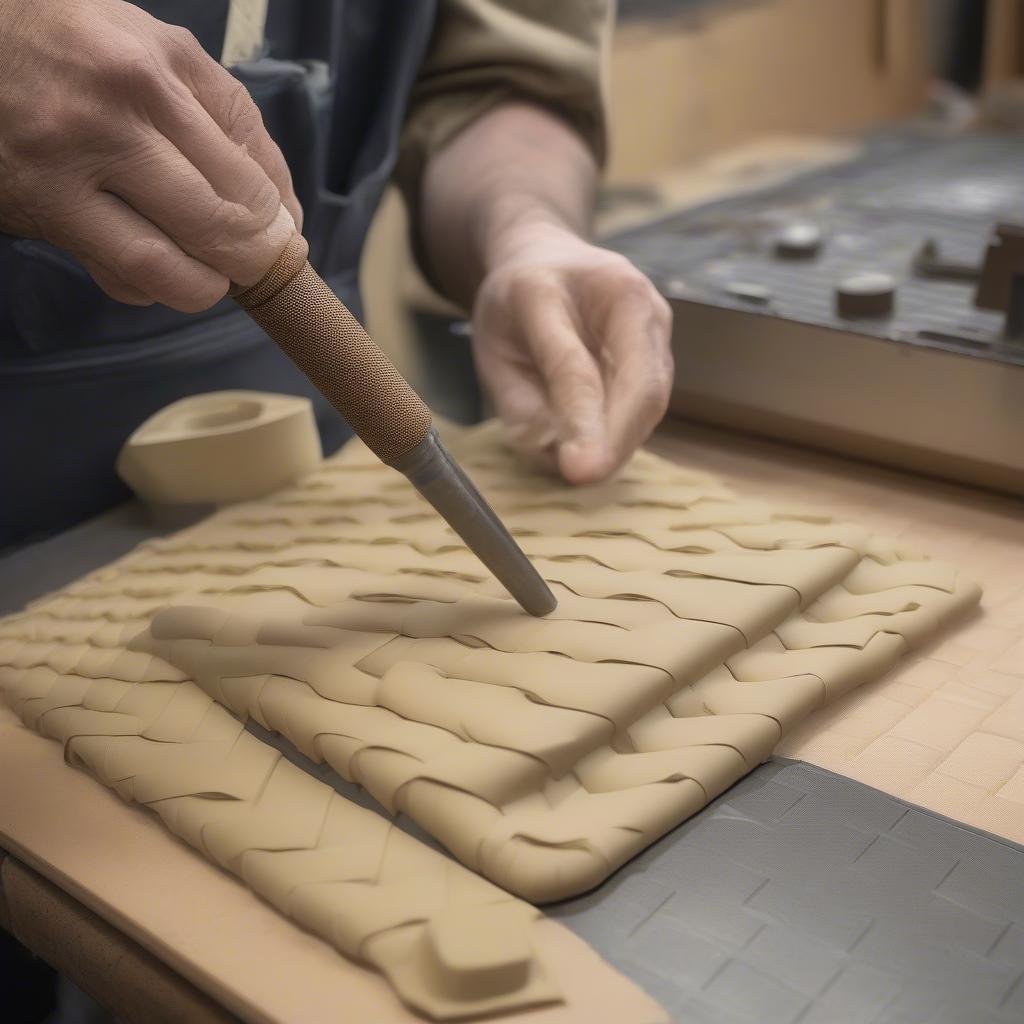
[(221, 447)]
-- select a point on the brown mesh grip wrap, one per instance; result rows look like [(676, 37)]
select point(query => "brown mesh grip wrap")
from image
[(297, 309)]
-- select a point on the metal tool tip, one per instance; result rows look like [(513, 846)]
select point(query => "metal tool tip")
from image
[(440, 479), (540, 601)]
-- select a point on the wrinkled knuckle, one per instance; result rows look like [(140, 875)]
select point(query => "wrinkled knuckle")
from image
[(242, 115), (133, 73), (227, 221), (564, 365), (621, 267), (141, 260), (133, 260), (263, 203), (577, 371), (584, 379), (177, 100), (181, 41), (200, 299), (129, 63), (185, 54), (616, 260), (617, 276), (635, 286), (232, 224)]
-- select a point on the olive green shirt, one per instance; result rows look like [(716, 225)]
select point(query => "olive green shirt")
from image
[(485, 52)]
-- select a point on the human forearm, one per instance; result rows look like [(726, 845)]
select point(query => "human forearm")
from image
[(514, 172), (570, 340)]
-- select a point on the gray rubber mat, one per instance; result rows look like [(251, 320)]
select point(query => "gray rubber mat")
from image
[(801, 896), (32, 570)]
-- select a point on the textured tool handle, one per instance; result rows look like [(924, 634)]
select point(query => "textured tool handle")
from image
[(315, 330)]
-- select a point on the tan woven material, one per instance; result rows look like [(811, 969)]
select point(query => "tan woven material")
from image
[(297, 309), (693, 630)]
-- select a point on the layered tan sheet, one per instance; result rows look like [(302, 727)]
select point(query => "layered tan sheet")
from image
[(944, 728), (693, 630), (451, 943), (208, 927)]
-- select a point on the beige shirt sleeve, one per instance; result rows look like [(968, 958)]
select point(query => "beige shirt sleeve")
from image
[(483, 52)]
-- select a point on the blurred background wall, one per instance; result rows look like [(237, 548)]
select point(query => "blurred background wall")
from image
[(691, 80)]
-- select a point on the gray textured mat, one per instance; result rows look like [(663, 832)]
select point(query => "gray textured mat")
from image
[(875, 213), (32, 570), (801, 896)]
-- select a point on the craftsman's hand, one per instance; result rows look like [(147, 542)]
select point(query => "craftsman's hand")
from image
[(124, 143), (572, 343)]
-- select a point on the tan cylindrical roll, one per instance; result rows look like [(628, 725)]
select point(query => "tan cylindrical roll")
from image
[(220, 447), (297, 309)]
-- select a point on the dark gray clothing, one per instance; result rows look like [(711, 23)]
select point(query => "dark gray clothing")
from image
[(79, 371)]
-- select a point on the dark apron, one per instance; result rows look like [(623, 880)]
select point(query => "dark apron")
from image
[(79, 371)]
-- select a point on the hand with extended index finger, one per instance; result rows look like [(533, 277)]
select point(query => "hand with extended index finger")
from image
[(124, 143), (571, 342)]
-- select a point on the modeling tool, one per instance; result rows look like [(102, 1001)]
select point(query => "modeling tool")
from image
[(297, 309)]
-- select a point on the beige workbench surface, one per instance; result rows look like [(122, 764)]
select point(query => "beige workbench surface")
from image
[(945, 728), (122, 864)]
